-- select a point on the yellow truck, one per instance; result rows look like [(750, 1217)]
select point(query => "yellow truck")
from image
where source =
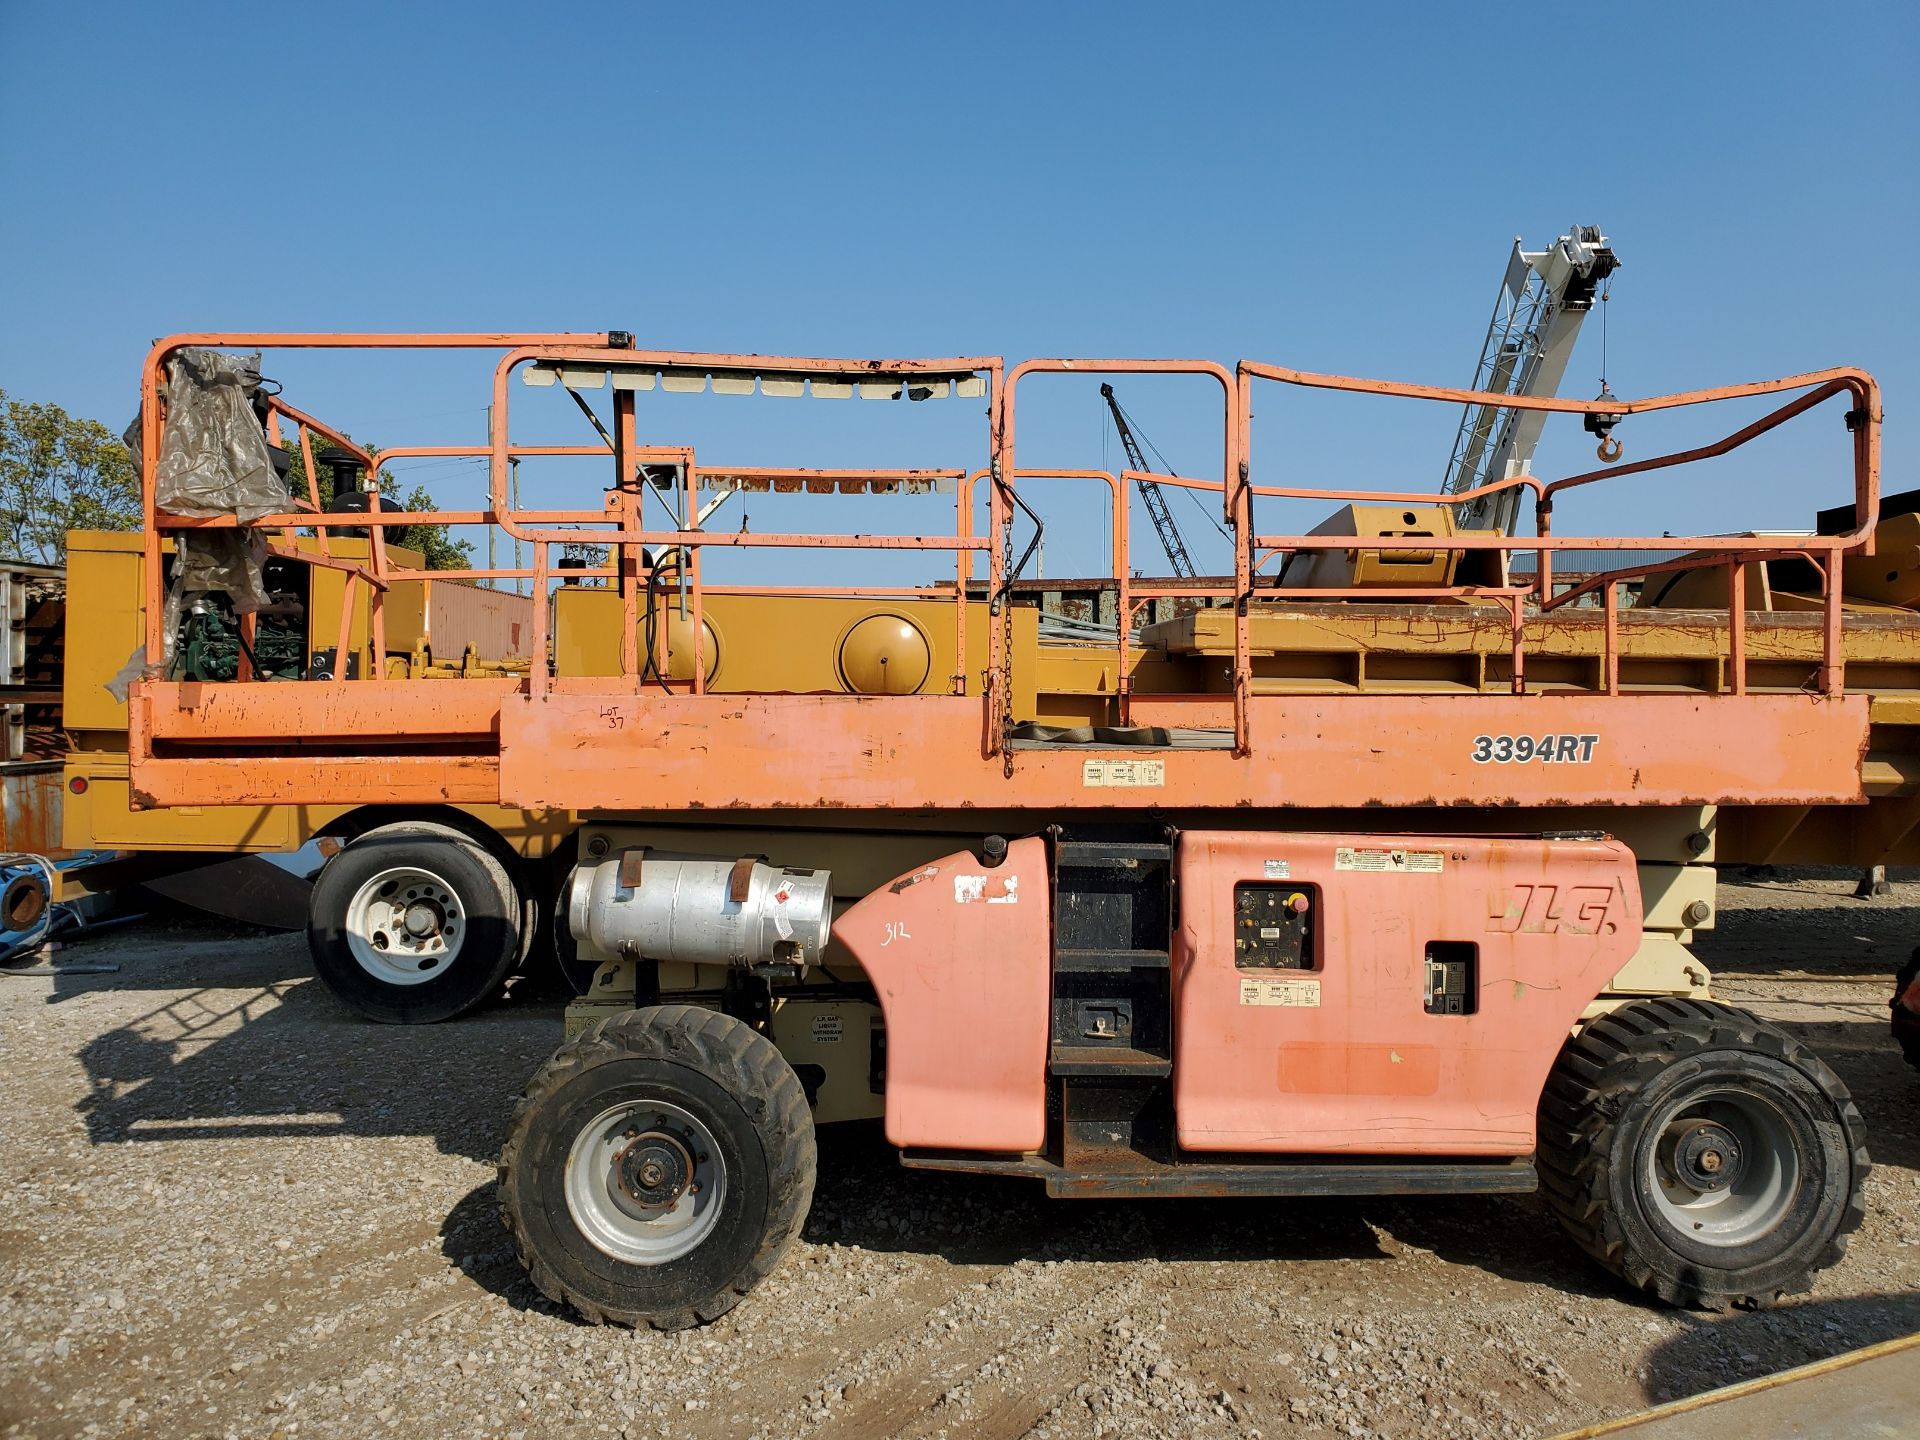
[(502, 864)]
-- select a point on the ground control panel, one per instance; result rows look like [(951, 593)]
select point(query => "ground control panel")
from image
[(1272, 927)]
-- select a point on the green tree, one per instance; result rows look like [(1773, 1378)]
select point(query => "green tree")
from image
[(441, 550), (58, 473)]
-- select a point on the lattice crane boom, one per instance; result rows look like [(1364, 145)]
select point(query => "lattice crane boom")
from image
[(1151, 495), (1543, 299)]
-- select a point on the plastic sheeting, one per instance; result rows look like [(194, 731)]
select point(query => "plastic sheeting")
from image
[(213, 461), (214, 458)]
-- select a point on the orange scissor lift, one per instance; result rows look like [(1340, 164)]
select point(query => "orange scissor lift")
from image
[(1259, 935)]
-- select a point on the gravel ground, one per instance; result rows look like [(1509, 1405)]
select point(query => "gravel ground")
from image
[(229, 1209)]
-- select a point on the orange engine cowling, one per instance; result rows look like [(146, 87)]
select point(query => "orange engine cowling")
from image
[(960, 953)]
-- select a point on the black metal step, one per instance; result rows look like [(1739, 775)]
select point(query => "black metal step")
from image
[(1106, 852), (1102, 1062), (1110, 960)]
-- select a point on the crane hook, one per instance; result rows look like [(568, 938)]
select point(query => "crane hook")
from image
[(1601, 423)]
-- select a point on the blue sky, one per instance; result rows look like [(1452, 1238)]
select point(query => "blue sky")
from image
[(1333, 188)]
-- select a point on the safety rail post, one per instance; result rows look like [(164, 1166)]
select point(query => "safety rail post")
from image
[(1516, 608), (1610, 662), (538, 673), (342, 648), (999, 523), (377, 594), (690, 578), (1238, 482), (626, 572), (1543, 564), (962, 574), (313, 483), (1737, 625), (621, 501), (1832, 658)]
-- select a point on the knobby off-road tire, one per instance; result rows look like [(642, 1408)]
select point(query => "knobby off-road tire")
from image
[(657, 1167), (414, 923), (1701, 1154), (1904, 1031)]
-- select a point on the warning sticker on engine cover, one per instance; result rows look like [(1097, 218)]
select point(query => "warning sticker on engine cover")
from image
[(1296, 991), (1122, 774), (1390, 862)]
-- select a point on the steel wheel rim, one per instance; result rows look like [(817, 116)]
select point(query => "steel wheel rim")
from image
[(645, 1182), (405, 926), (1741, 1147)]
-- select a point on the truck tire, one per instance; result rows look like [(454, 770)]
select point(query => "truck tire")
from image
[(657, 1167), (414, 923), (1701, 1154)]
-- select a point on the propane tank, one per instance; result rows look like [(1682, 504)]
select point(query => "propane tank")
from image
[(700, 910)]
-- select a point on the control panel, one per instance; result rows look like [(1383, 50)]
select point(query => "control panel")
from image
[(1273, 926)]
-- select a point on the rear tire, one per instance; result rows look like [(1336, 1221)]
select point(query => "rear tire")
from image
[(1906, 1018), (1701, 1154), (414, 923), (657, 1167)]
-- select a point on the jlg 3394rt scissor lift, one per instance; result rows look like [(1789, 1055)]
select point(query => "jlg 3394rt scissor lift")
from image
[(1366, 868)]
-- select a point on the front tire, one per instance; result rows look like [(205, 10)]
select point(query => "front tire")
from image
[(414, 923), (1701, 1154), (657, 1167)]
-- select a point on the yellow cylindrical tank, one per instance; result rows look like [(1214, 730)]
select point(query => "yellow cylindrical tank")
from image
[(673, 633), (884, 654)]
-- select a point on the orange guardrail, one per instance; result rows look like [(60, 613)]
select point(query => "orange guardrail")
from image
[(626, 532)]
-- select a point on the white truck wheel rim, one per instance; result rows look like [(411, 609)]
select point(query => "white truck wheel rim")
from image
[(405, 926)]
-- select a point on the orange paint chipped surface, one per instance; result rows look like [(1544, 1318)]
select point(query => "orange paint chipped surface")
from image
[(1344, 1055), (960, 955), (576, 751)]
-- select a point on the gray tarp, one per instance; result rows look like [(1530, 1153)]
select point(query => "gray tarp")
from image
[(213, 461)]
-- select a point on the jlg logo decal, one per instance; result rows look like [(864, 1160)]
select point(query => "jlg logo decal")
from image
[(1540, 910)]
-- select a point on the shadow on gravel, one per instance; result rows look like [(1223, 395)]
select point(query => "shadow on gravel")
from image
[(172, 952), (255, 1053), (1887, 1090), (474, 1240), (1726, 1351), (864, 1198), (1844, 939)]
